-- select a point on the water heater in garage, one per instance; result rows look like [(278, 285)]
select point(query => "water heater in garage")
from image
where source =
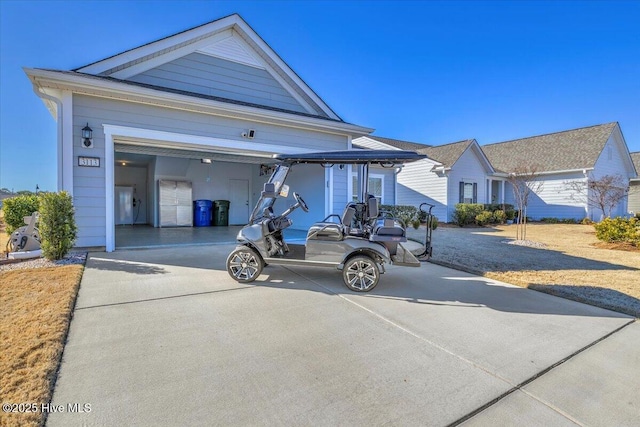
[(123, 205)]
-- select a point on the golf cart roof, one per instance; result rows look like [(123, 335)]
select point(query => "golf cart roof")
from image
[(383, 157)]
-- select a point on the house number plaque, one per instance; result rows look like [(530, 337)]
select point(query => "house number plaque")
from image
[(92, 162)]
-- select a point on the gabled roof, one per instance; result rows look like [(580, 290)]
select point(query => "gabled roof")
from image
[(448, 154), (228, 37), (561, 151), (402, 145)]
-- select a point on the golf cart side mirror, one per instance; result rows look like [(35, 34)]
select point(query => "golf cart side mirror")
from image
[(269, 190)]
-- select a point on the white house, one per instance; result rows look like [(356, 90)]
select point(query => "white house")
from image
[(563, 158), (216, 93), (467, 172), (634, 186), (453, 173)]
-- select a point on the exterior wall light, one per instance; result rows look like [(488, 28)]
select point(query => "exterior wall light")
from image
[(87, 135)]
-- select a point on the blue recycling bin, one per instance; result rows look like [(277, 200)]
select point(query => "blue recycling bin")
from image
[(202, 213)]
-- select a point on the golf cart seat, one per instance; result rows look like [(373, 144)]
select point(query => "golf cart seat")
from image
[(327, 230), (388, 230)]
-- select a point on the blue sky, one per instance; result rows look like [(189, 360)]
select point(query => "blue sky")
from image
[(430, 72)]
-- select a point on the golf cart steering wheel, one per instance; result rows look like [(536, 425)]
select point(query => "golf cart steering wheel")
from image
[(301, 202)]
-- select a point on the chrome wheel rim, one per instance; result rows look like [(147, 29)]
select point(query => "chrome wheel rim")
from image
[(244, 265), (361, 275)]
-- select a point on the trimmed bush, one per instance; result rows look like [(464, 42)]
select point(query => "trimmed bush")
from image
[(586, 221), (510, 214), (57, 224), (499, 217), (466, 213), (16, 208), (484, 218), (619, 230)]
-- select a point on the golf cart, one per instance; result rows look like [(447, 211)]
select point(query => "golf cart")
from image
[(359, 242)]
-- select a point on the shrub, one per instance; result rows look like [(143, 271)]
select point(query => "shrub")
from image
[(484, 218), (404, 213), (434, 222), (510, 214), (492, 207), (550, 220), (619, 230), (466, 213), (499, 216), (57, 224), (586, 221), (16, 208)]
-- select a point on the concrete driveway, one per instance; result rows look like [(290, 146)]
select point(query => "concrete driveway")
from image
[(165, 337)]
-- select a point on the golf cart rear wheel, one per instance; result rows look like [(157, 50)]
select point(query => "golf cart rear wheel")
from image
[(244, 264), (361, 273)]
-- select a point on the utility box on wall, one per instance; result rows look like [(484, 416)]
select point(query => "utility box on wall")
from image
[(176, 206)]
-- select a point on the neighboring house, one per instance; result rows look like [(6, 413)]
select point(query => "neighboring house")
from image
[(452, 173), (634, 187), (563, 158), (208, 106)]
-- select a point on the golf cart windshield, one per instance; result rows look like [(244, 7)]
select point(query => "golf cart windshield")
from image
[(268, 199)]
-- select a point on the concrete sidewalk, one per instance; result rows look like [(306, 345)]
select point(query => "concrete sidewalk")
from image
[(165, 337)]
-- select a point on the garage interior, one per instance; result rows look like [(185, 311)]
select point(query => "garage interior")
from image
[(143, 219)]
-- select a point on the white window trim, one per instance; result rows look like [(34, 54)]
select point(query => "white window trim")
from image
[(371, 175)]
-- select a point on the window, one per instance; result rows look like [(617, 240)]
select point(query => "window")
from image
[(468, 192), (376, 187)]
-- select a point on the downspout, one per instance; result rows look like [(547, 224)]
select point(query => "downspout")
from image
[(58, 103), (587, 214)]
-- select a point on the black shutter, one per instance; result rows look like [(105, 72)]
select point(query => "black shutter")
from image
[(461, 192), (475, 192)]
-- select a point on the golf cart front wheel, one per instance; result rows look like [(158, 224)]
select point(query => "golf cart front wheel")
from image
[(361, 273), (244, 264)]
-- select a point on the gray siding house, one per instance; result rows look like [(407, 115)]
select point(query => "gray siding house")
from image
[(560, 159), (467, 172), (452, 173), (208, 106)]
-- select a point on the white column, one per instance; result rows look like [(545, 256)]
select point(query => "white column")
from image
[(67, 143), (109, 184)]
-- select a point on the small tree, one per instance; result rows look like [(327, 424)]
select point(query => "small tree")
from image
[(16, 208), (604, 193), (57, 224), (524, 181)]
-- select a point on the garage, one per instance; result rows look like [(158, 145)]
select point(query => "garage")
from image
[(203, 110)]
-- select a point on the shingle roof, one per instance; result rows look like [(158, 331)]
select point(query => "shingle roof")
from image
[(567, 150), (447, 154), (635, 157), (403, 145)]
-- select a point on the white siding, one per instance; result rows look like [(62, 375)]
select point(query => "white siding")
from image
[(611, 162), (555, 199), (207, 75), (417, 184), (89, 183), (468, 168)]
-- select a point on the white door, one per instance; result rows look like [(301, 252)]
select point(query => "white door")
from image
[(239, 201)]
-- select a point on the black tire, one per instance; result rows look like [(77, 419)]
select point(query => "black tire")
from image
[(361, 273), (244, 265)]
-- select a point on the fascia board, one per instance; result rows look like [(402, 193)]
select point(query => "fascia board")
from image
[(153, 47), (156, 61), (122, 91)]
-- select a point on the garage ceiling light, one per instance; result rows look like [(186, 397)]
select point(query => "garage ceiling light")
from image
[(207, 161)]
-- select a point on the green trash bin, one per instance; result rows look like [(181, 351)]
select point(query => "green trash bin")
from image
[(221, 212)]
